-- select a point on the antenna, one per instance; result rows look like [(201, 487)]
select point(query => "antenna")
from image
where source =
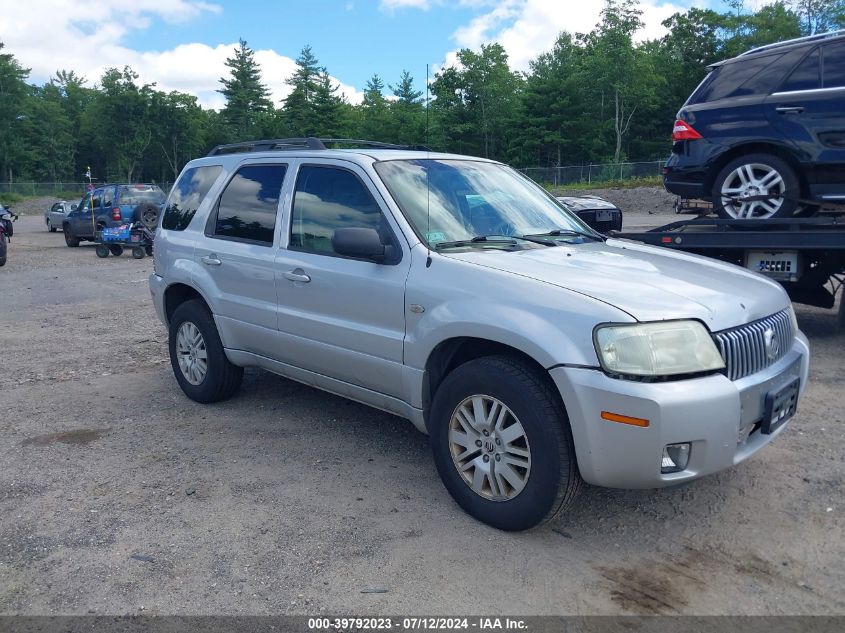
[(427, 177)]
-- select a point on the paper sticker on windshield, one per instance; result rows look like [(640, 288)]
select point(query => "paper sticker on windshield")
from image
[(435, 236)]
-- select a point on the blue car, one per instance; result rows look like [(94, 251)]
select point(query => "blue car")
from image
[(111, 205)]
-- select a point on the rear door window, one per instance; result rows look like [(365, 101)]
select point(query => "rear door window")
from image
[(834, 65), (108, 196), (246, 211), (806, 76), (187, 196)]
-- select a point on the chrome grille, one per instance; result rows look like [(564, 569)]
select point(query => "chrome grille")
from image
[(744, 348)]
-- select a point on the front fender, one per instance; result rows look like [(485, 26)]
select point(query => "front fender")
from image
[(550, 324)]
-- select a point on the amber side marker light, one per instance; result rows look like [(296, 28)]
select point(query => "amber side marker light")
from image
[(623, 419)]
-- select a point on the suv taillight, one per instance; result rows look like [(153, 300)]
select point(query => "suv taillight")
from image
[(683, 131), (115, 213)]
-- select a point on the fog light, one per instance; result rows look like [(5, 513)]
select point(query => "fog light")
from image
[(675, 458)]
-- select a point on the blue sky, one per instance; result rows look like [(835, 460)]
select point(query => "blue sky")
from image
[(183, 44)]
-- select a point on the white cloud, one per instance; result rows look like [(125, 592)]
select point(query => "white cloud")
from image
[(527, 28), (392, 5), (89, 45)]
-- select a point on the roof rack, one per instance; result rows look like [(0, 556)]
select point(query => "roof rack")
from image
[(282, 144), (797, 40)]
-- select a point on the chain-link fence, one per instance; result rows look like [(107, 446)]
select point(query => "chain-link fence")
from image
[(601, 172), (64, 190), (553, 176)]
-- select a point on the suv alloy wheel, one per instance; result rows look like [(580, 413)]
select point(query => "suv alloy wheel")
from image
[(753, 176)]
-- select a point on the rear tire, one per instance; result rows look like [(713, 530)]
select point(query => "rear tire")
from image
[(539, 456), (752, 175), (70, 239), (220, 379)]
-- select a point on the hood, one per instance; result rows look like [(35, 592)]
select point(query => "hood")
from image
[(650, 283)]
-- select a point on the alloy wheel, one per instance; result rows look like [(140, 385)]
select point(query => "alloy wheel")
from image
[(750, 180), (191, 353), (489, 448)]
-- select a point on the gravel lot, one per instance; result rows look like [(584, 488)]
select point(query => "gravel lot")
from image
[(119, 495)]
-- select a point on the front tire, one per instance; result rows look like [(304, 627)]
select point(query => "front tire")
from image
[(756, 175), (70, 239), (50, 226), (197, 356), (502, 444)]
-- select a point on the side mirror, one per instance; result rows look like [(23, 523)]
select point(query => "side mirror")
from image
[(361, 243)]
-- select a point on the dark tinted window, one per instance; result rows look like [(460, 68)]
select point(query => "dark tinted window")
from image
[(746, 77), (187, 195), (326, 199), (247, 207), (834, 65), (96, 199), (805, 76)]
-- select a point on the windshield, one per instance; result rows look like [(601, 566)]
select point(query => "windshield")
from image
[(455, 200), (139, 194)]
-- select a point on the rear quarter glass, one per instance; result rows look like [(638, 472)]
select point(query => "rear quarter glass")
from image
[(745, 77), (187, 195)]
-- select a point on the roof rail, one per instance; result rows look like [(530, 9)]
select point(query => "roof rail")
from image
[(354, 142), (797, 40), (281, 144), (267, 145)]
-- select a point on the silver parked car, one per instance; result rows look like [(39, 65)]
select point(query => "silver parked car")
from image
[(55, 216), (457, 293)]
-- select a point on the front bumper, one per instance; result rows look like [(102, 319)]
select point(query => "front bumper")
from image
[(720, 418)]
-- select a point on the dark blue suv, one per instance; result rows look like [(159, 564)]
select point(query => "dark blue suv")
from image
[(765, 130), (110, 205)]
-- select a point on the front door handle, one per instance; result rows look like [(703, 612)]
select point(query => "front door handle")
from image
[(297, 275), (789, 109), (210, 260)]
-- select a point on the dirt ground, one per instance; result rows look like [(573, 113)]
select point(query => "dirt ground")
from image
[(119, 495)]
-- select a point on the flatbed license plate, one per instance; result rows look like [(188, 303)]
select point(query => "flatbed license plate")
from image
[(780, 406)]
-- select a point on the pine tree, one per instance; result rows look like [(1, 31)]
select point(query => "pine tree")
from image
[(376, 117), (404, 90), (407, 112), (246, 96), (299, 104), (326, 107), (13, 93)]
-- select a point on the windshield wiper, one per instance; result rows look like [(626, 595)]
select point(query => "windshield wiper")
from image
[(566, 232), (489, 240)]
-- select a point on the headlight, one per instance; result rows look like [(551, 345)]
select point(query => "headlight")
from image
[(662, 348)]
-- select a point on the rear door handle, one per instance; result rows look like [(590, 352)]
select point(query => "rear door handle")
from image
[(297, 275), (210, 260), (789, 109)]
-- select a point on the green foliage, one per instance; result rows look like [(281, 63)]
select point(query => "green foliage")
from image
[(594, 97), (246, 97)]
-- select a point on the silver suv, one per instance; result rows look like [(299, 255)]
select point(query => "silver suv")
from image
[(455, 292)]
